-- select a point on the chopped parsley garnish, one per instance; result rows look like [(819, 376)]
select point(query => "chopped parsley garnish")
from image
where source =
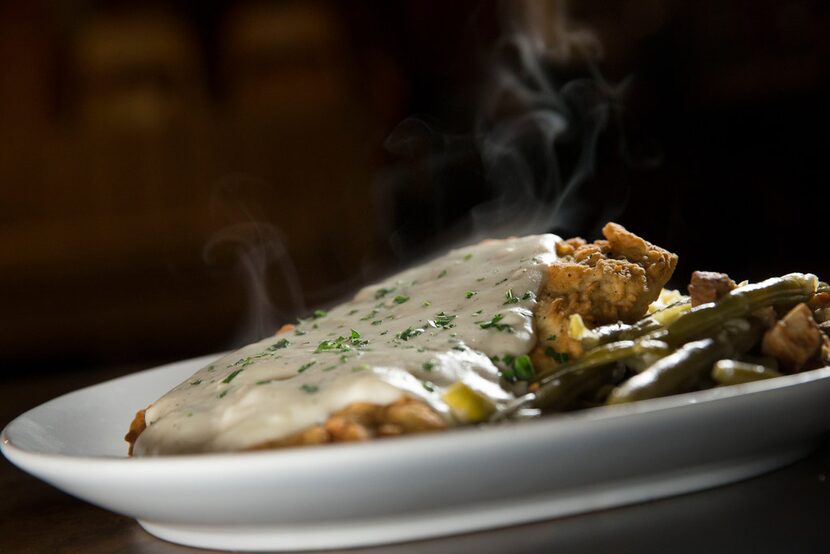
[(264, 382), (429, 386), (442, 274), (427, 366), (223, 393), (319, 313), (477, 312), (444, 320), (409, 332), (352, 312), (196, 382), (459, 347), (377, 322), (523, 367), (470, 293), (480, 279), (305, 366), (468, 257), (329, 368), (282, 343), (502, 281), (327, 345), (369, 316), (361, 367), (310, 389), (528, 296), (560, 357), (494, 324), (380, 293), (511, 298), (357, 340), (400, 299), (342, 343), (299, 332), (426, 304), (552, 337), (518, 368), (211, 367), (231, 377)]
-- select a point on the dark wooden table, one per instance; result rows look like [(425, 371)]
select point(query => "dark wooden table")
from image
[(784, 511)]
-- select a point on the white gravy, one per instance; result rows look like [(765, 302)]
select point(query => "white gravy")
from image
[(416, 333)]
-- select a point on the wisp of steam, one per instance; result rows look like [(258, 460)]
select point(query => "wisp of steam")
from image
[(534, 142)]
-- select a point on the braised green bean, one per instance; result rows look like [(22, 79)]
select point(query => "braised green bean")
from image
[(560, 387), (678, 371), (732, 372), (741, 302)]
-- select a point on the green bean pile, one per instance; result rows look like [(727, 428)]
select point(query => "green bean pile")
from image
[(706, 346)]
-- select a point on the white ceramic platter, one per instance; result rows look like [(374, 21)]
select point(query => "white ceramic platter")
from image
[(414, 487)]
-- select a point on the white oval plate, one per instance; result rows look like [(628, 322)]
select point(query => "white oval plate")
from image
[(407, 488)]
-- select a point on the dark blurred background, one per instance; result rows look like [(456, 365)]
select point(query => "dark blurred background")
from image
[(178, 177)]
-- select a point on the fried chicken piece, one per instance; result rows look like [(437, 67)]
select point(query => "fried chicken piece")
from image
[(362, 421), (708, 286), (604, 282)]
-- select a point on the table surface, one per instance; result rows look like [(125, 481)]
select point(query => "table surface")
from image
[(787, 510)]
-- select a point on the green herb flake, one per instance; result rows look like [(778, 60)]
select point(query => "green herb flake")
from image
[(409, 332), (231, 377), (196, 382), (223, 393), (400, 299), (369, 316), (380, 293), (429, 386), (310, 389), (477, 312), (444, 320), (361, 367), (511, 298), (480, 279), (552, 337), (211, 367), (426, 304), (319, 313), (352, 312), (470, 293), (523, 368), (377, 322), (502, 281), (468, 257), (299, 332), (560, 357), (264, 382), (494, 324), (442, 274), (305, 366), (427, 366), (529, 296)]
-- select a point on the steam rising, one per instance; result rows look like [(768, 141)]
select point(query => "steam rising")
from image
[(534, 143), (259, 248), (531, 157)]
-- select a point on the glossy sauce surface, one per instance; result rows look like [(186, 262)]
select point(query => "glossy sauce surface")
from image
[(452, 319)]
